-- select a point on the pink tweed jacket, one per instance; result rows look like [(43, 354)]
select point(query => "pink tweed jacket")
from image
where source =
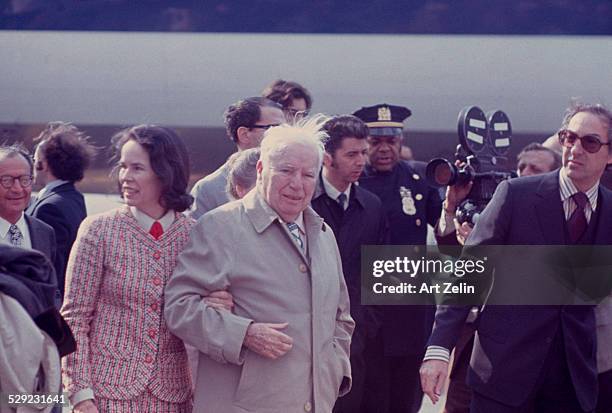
[(115, 283)]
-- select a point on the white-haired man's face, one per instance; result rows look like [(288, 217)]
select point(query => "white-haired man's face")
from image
[(288, 179)]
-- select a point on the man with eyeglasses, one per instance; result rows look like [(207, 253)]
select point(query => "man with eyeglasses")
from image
[(246, 122), (16, 228), (536, 358)]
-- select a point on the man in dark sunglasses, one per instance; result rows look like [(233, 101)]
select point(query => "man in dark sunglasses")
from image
[(537, 358)]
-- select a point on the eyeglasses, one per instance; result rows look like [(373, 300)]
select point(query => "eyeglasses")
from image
[(294, 113), (264, 127), (589, 143), (7, 181)]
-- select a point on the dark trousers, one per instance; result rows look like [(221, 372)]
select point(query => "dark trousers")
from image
[(554, 391), (351, 402), (392, 384), (459, 394), (604, 401)]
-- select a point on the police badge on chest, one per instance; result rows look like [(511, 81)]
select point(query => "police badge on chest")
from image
[(407, 201)]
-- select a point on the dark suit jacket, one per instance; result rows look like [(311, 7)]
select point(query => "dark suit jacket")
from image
[(63, 208), (512, 341), (43, 240), (362, 223)]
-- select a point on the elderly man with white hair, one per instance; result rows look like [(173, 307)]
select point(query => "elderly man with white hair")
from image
[(285, 345)]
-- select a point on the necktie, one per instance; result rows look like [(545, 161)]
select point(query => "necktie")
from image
[(16, 237), (294, 229), (156, 230), (342, 200), (577, 222)]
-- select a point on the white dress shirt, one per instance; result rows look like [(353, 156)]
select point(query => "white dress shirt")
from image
[(333, 193), (146, 221), (5, 237)]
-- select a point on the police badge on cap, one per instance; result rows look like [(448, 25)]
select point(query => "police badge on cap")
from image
[(384, 119)]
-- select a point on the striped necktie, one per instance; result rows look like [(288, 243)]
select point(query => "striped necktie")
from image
[(294, 229), (16, 237)]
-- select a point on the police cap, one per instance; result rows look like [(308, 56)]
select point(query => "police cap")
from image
[(384, 119)]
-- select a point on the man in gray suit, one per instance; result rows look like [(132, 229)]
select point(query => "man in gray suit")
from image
[(245, 122), (285, 346), (16, 228)]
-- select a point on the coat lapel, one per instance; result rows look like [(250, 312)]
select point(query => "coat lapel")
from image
[(34, 238), (603, 236), (262, 216), (549, 210)]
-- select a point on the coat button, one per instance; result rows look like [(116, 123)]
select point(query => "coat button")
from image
[(418, 197), (152, 333), (156, 281), (416, 177), (308, 406), (148, 358), (157, 255), (154, 307), (417, 222), (302, 268)]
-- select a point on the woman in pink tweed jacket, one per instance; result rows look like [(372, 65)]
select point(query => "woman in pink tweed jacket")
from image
[(126, 359)]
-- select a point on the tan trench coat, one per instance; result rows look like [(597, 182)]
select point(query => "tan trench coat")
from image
[(244, 248)]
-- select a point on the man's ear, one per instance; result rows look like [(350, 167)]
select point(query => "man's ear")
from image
[(327, 159), (242, 133)]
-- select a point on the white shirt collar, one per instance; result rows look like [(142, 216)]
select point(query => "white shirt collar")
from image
[(146, 221), (567, 189), (332, 192), (21, 224), (299, 221), (50, 186)]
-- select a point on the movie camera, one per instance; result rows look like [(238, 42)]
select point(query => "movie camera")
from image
[(484, 141)]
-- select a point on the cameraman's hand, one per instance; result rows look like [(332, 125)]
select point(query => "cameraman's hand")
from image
[(462, 231), (455, 194)]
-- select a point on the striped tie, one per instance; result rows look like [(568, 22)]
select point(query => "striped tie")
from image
[(294, 229), (16, 237)]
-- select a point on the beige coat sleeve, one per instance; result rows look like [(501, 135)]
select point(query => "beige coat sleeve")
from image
[(29, 360), (204, 266)]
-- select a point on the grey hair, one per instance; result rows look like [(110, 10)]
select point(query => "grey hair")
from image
[(15, 150), (308, 131), (242, 170), (596, 109)]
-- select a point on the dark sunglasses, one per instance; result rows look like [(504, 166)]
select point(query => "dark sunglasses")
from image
[(264, 127), (589, 143)]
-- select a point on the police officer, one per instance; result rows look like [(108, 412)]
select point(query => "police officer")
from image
[(394, 355)]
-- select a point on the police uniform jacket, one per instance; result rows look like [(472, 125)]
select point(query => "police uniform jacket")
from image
[(405, 329)]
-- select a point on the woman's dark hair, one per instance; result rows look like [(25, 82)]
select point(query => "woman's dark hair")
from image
[(169, 160)]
